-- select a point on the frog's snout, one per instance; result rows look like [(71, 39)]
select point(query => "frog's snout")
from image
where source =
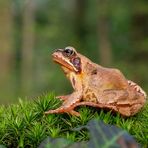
[(57, 53), (54, 54)]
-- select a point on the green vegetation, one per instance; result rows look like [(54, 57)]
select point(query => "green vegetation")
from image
[(111, 33), (25, 124)]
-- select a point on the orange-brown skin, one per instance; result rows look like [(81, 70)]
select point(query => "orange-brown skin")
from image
[(96, 86)]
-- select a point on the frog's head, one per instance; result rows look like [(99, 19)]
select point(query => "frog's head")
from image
[(68, 58)]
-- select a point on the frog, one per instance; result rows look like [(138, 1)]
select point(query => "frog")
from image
[(96, 86)]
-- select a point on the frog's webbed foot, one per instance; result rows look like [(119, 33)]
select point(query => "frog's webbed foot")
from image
[(68, 104)]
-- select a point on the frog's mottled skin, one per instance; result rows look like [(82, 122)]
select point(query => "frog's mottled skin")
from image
[(96, 86)]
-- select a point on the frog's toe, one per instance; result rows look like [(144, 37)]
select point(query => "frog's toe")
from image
[(63, 98), (72, 112), (50, 112), (54, 111)]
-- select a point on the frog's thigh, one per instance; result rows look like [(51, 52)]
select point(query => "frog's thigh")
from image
[(115, 94), (121, 100)]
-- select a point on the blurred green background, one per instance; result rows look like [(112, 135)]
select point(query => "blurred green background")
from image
[(112, 33)]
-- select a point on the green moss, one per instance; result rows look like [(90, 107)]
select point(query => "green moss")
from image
[(25, 125)]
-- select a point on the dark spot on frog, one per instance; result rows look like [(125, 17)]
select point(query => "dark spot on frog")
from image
[(94, 72), (73, 81)]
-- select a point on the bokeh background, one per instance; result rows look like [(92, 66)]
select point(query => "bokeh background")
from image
[(112, 33)]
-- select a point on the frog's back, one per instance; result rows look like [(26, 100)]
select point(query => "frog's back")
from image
[(106, 78)]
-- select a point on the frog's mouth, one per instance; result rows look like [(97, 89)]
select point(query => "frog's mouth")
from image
[(63, 62)]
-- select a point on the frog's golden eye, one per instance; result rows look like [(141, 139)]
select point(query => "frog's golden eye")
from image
[(68, 52)]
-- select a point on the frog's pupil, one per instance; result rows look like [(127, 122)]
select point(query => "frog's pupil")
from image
[(68, 52)]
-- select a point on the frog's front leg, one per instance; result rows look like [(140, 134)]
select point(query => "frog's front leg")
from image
[(68, 105)]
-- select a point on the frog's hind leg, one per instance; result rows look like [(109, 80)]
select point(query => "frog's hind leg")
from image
[(98, 105), (68, 105), (108, 100)]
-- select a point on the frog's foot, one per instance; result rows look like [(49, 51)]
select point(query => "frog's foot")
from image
[(68, 104), (73, 112), (63, 110), (63, 98)]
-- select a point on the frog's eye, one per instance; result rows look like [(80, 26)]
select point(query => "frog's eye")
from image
[(68, 52)]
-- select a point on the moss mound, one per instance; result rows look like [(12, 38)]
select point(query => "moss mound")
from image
[(25, 125)]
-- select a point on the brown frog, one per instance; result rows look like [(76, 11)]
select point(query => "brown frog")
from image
[(96, 86)]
